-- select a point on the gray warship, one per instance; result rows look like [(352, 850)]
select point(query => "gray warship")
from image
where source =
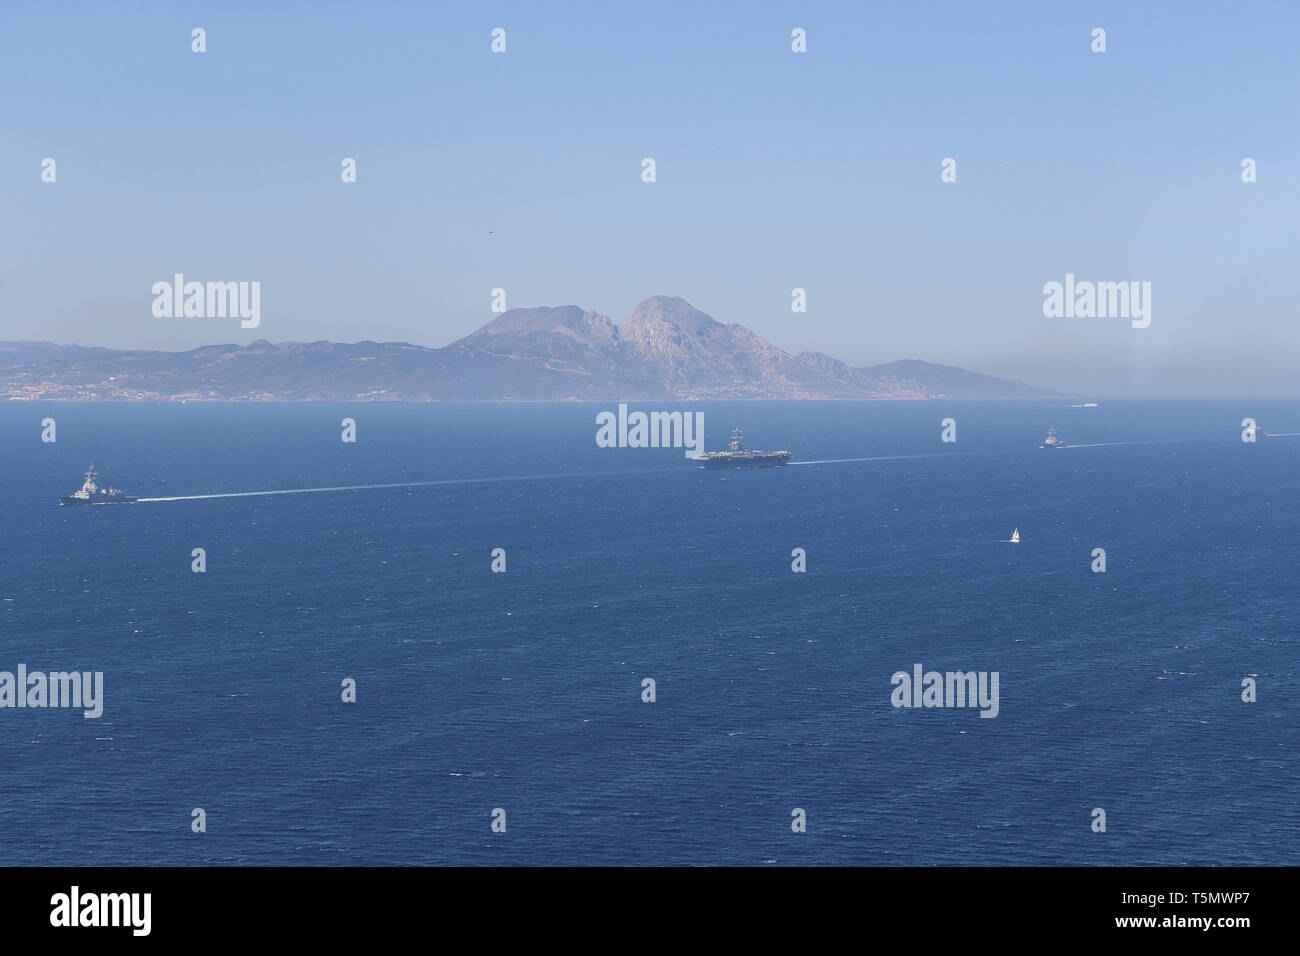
[(92, 494), (1051, 441), (737, 456)]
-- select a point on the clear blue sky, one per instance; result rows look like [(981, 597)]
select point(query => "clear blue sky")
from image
[(775, 170)]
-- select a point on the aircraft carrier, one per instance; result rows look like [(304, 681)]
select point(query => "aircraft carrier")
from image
[(737, 456)]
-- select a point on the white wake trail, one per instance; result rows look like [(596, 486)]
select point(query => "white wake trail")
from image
[(1148, 441), (396, 484), (836, 461), (603, 474), (475, 481)]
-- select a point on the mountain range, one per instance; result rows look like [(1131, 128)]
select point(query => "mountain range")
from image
[(665, 350)]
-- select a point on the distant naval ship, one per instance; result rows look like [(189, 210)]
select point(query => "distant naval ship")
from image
[(92, 494), (738, 457), (1051, 441)]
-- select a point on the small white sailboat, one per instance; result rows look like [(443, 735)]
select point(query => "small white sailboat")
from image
[(1015, 537)]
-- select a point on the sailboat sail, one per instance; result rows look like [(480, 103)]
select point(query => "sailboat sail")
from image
[(1015, 536)]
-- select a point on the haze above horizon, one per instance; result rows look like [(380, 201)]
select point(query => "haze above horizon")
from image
[(774, 170)]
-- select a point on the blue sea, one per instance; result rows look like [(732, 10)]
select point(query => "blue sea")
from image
[(523, 691)]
